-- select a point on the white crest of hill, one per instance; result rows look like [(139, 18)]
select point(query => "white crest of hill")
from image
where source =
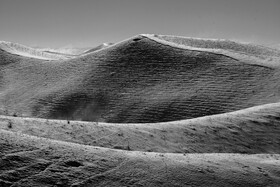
[(247, 52), (99, 47), (66, 51), (25, 51)]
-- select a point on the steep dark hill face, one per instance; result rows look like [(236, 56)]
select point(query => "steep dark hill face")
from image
[(138, 80)]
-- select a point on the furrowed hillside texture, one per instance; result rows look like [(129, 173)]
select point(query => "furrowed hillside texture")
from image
[(135, 81), (178, 110)]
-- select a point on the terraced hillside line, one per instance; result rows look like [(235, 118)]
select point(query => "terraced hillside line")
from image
[(135, 81)]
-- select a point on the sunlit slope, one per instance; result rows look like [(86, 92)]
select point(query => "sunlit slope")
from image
[(247, 52), (137, 80), (252, 130)]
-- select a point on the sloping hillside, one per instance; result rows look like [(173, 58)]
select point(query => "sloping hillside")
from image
[(33, 161), (226, 45), (253, 130), (137, 80), (178, 113), (246, 52)]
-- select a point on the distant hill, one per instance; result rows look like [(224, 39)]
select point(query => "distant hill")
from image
[(25, 51), (65, 50), (102, 46)]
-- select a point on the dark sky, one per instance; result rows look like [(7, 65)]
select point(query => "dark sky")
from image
[(81, 23)]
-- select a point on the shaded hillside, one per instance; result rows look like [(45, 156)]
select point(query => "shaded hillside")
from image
[(25, 51), (32, 161), (137, 80)]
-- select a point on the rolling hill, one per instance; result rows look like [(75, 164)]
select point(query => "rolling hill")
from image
[(252, 130), (152, 110), (34, 161), (138, 80)]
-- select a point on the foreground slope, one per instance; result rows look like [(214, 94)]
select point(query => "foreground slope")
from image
[(32, 161), (137, 80), (40, 152)]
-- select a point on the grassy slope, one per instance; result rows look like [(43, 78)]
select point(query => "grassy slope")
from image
[(138, 80)]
